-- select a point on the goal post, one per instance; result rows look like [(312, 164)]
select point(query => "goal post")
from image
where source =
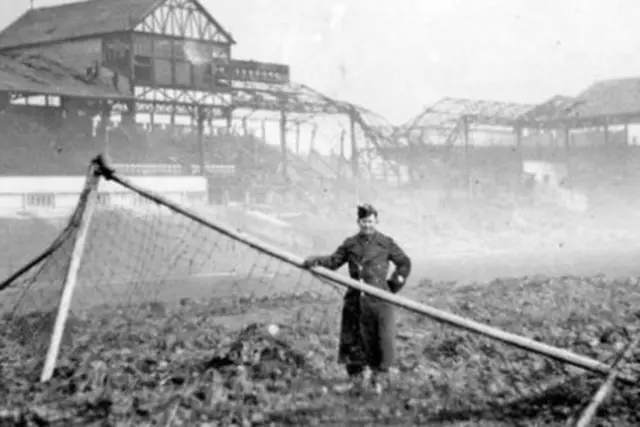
[(86, 208)]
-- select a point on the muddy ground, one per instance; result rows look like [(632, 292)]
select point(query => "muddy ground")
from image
[(200, 355)]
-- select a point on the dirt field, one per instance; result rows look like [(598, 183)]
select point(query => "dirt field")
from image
[(141, 363), (174, 345)]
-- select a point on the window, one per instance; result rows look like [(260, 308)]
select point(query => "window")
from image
[(143, 52), (116, 52), (204, 76), (210, 74), (201, 79), (143, 46), (40, 200), (220, 52), (182, 73), (197, 53), (162, 48), (142, 69), (162, 72), (179, 49)]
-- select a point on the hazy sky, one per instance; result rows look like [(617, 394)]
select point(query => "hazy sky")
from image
[(397, 57)]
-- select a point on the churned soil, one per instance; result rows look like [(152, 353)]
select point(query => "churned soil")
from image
[(222, 363)]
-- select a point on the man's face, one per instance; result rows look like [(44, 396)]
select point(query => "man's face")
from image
[(368, 225)]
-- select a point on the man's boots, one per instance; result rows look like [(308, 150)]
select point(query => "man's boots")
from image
[(358, 380), (379, 381)]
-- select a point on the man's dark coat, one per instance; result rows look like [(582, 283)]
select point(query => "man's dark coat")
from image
[(368, 329)]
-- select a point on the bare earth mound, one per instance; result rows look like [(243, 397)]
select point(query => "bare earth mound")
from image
[(181, 362)]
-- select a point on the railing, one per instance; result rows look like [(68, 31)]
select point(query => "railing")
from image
[(139, 169)]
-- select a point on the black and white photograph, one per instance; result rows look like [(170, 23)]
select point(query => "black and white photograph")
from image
[(237, 213)]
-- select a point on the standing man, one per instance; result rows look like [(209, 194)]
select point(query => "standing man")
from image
[(368, 329)]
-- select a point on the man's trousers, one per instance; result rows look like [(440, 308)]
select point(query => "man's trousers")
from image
[(367, 334)]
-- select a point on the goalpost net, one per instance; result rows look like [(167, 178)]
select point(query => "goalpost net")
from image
[(134, 258), (166, 280)]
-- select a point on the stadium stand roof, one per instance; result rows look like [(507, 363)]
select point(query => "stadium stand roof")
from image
[(605, 102), (30, 64), (448, 111), (615, 97), (80, 20), (612, 101), (38, 71), (294, 97), (43, 74)]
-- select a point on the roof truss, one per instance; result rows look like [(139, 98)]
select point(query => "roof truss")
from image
[(184, 19), (448, 111), (289, 97)]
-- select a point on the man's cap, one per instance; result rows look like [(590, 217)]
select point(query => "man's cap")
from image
[(366, 210)]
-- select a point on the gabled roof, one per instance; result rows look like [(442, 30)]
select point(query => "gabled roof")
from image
[(74, 20), (606, 101), (611, 97), (79, 19)]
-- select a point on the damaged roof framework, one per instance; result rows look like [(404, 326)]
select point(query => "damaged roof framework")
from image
[(606, 102), (448, 111), (614, 101), (41, 72)]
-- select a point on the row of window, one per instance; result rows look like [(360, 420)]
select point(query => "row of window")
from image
[(193, 51), (168, 62), (166, 72), (48, 200)]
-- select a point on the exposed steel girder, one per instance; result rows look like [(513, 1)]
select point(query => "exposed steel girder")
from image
[(447, 112), (289, 98)]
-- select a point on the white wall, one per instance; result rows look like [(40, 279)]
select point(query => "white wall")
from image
[(58, 195)]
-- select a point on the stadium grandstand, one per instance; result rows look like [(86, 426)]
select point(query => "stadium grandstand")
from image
[(154, 84), (581, 148)]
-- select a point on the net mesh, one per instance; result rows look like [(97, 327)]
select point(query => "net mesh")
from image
[(172, 322), (30, 301)]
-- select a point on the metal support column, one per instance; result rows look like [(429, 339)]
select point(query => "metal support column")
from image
[(283, 145), (200, 118)]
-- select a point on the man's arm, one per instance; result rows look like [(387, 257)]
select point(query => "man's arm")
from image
[(402, 264), (331, 262)]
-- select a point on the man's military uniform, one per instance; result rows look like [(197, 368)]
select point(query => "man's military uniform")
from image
[(367, 336)]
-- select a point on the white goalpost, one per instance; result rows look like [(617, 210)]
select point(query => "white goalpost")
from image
[(88, 199)]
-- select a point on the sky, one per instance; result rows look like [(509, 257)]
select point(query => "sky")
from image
[(398, 57)]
